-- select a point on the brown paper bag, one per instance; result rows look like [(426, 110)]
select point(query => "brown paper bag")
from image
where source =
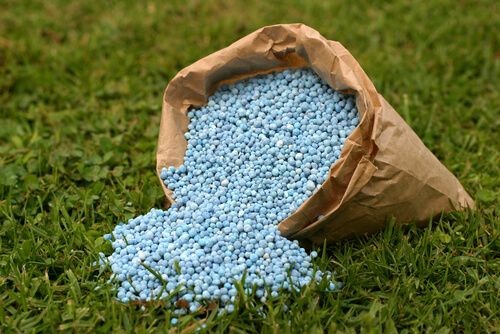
[(384, 168)]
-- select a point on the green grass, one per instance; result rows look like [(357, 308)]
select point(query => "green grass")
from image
[(81, 86)]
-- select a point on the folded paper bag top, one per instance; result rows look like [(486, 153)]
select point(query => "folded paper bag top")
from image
[(384, 168)]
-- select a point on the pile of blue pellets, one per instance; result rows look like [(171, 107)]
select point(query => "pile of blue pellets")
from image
[(255, 153)]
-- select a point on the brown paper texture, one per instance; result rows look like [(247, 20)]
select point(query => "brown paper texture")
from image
[(384, 169)]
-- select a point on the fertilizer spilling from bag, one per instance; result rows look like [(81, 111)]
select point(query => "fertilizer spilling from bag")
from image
[(281, 136)]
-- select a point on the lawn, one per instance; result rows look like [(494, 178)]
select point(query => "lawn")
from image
[(81, 86)]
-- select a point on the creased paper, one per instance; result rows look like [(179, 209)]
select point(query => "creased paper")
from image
[(384, 169)]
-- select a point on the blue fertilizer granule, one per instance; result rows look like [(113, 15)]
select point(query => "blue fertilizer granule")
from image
[(255, 153)]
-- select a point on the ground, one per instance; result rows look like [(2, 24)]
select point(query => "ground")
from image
[(80, 96)]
